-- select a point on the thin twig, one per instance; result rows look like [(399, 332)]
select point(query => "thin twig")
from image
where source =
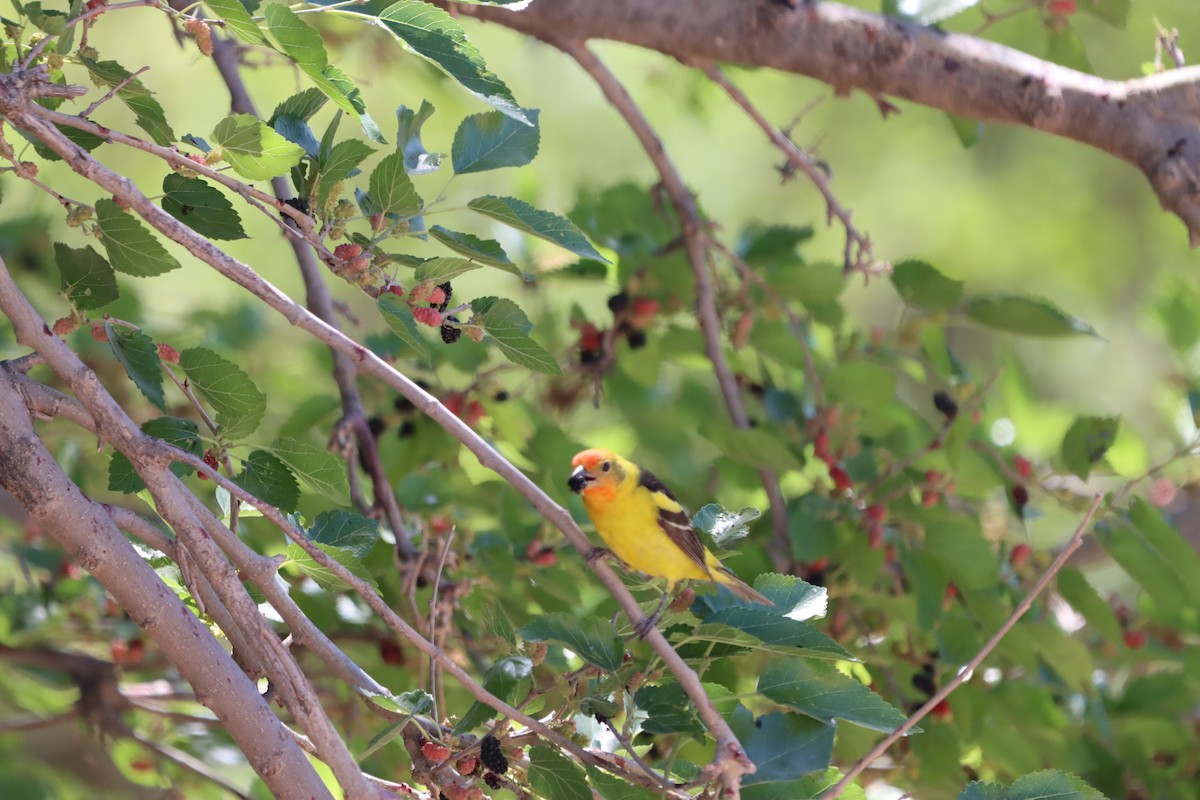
[(967, 671), (858, 254), (435, 673), (128, 79)]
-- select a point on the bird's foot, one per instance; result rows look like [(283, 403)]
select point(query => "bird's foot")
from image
[(597, 553), (642, 627)]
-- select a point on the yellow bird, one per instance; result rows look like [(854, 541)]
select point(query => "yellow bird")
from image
[(645, 526)]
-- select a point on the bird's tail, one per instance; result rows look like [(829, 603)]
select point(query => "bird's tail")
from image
[(739, 587)]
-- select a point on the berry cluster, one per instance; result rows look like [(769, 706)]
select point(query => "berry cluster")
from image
[(631, 318), (492, 756)]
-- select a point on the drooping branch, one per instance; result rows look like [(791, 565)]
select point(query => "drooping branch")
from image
[(1150, 122)]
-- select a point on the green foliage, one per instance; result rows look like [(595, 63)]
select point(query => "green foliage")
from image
[(201, 207)]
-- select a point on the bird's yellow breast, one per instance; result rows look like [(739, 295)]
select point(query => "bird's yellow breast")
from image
[(630, 529)]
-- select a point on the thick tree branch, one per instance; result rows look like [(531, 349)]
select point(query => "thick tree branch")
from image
[(1152, 123)]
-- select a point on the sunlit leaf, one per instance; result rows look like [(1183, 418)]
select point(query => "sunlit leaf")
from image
[(201, 207), (131, 248)]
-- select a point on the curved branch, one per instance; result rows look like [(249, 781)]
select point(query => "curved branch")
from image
[(1152, 123)]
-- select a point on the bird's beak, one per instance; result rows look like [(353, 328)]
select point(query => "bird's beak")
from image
[(579, 479)]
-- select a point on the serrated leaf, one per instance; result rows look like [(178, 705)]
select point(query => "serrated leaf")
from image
[(1155, 555), (542, 224), (346, 96), (139, 357), (296, 37), (237, 19), (1026, 315), (1051, 785), (485, 251), (267, 478), (504, 679), (325, 577), (823, 693), (725, 527), (399, 318), (508, 326), (302, 105), (782, 746), (1086, 442), (552, 775), (443, 269), (239, 404), (593, 639), (201, 207), (88, 281), (754, 447), (920, 284), (148, 114), (610, 787), (767, 626), (668, 708), (494, 140), (317, 469), (980, 790), (182, 433), (436, 35), (338, 164), (254, 150), (416, 701), (417, 160), (793, 598), (131, 248), (345, 529), (296, 131), (391, 189)]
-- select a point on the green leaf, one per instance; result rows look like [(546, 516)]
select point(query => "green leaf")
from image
[(399, 318), (238, 20), (88, 281), (1054, 784), (201, 207), (811, 787), (921, 285), (1086, 442), (391, 189), (821, 692), (494, 140), (132, 249), (297, 131), (139, 357), (979, 790), (543, 224), (782, 746), (768, 627), (182, 433), (485, 251), (593, 639), (338, 164), (754, 447), (793, 598), (968, 131), (148, 114), (296, 38), (611, 787), (509, 328), (254, 150), (863, 384), (1082, 597), (269, 479), (725, 526), (1066, 48), (1115, 12), (956, 542), (239, 404), (668, 708), (416, 701), (417, 160), (324, 577), (440, 270), (346, 530), (438, 37), (1156, 556), (552, 775), (504, 679), (302, 105), (1026, 315), (316, 468)]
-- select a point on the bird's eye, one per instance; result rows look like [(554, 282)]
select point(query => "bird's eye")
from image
[(606, 466)]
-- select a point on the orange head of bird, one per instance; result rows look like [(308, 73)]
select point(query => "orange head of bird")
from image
[(596, 471)]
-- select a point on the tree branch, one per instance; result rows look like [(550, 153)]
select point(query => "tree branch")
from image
[(1152, 122)]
